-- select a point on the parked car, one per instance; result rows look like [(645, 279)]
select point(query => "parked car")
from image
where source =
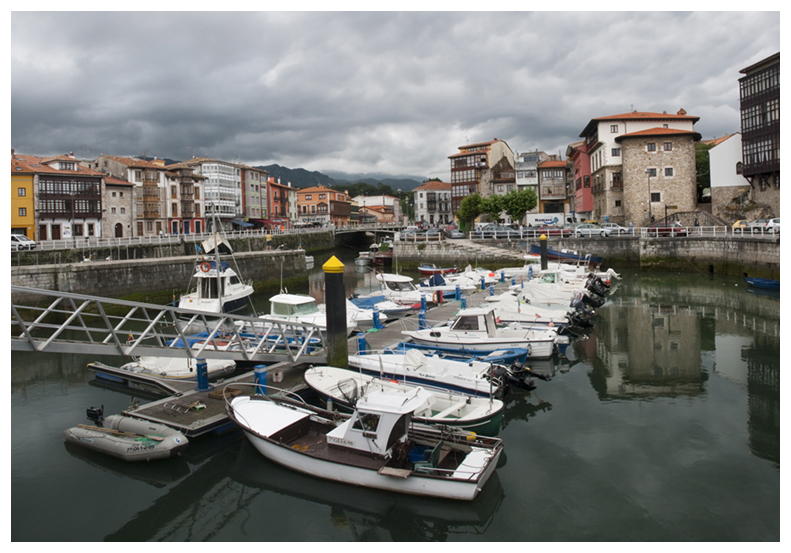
[(433, 234), (615, 228), (21, 242), (589, 229), (668, 229), (552, 230), (773, 225), (409, 233), (756, 226), (453, 233), (739, 226)]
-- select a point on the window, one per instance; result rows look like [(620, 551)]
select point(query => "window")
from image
[(78, 230), (307, 197), (90, 229), (613, 128), (322, 196), (668, 171), (121, 194), (616, 152), (617, 203), (739, 167), (650, 147), (651, 172), (21, 191), (656, 197), (112, 210), (668, 146), (23, 212), (113, 194), (123, 210)]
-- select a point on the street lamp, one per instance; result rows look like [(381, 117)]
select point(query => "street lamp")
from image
[(650, 217)]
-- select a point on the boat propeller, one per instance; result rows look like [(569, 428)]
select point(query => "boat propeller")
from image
[(96, 415)]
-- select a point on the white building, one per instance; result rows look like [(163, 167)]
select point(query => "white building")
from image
[(725, 173), (387, 201), (432, 203), (223, 189)]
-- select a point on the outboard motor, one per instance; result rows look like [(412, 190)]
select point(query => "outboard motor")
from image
[(96, 415), (579, 305)]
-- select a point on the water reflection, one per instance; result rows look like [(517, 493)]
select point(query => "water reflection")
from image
[(667, 340)]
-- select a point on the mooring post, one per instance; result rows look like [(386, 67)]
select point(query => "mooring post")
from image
[(543, 252), (335, 301), (203, 376), (260, 379)]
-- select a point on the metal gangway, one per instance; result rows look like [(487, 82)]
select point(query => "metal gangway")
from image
[(78, 323)]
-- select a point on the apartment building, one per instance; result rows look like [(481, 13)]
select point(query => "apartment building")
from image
[(759, 94), (319, 204), (554, 185), (730, 191), (279, 204), (660, 146), (471, 169), (186, 210), (526, 168), (23, 209), (392, 204), (118, 215), (582, 201), (151, 206), (254, 200), (67, 197), (433, 203), (222, 190)]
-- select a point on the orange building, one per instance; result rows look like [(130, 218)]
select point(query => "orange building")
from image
[(319, 204)]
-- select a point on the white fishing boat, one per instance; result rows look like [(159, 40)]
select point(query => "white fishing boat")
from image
[(128, 438), (364, 259), (477, 329), (469, 377), (215, 287), (440, 406), (376, 447)]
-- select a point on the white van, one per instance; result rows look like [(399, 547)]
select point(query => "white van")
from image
[(21, 242)]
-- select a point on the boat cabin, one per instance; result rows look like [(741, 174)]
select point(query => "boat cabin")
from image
[(397, 283), (475, 320), (380, 420), (292, 305), (207, 279)]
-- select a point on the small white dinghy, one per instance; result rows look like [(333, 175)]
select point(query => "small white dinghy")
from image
[(128, 439), (376, 447)]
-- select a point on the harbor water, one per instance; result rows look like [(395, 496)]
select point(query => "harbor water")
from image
[(662, 424)]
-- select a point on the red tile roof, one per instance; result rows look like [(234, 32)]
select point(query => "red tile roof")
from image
[(640, 116), (546, 164), (35, 164), (434, 185), (134, 162), (658, 131)]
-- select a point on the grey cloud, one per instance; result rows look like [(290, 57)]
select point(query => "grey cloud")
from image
[(364, 91)]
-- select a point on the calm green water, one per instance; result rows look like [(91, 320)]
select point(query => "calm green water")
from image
[(663, 425)]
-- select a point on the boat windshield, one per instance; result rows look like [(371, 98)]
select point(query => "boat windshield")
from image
[(468, 322), (401, 286), (294, 309)]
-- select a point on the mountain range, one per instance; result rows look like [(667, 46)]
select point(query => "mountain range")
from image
[(301, 178)]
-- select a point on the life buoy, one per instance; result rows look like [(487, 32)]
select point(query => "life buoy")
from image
[(205, 267), (438, 299)]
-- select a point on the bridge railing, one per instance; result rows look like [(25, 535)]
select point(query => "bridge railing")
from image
[(78, 323)]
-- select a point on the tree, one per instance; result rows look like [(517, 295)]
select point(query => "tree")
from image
[(703, 177), (492, 206), (469, 209), (518, 202)]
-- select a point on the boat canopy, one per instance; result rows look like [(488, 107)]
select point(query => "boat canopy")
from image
[(292, 304), (369, 302)]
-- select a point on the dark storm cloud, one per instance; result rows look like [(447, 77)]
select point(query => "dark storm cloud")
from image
[(359, 91)]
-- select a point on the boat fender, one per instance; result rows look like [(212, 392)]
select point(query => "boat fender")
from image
[(205, 267)]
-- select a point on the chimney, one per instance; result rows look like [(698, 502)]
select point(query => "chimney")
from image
[(12, 152)]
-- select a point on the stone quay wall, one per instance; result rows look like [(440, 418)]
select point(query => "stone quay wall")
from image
[(758, 257), (118, 279)]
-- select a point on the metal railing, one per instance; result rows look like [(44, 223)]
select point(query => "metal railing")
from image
[(165, 239), (77, 323)]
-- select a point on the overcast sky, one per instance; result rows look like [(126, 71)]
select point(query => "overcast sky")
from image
[(365, 91)]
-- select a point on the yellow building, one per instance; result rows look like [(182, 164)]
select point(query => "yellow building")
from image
[(22, 205)]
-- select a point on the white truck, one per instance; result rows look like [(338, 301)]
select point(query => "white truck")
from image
[(541, 219)]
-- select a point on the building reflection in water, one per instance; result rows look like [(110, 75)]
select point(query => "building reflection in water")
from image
[(650, 346)]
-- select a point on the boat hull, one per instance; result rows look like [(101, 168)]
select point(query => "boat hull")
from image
[(536, 349)]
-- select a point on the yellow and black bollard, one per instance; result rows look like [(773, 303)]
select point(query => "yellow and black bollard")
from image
[(543, 239), (335, 301)]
